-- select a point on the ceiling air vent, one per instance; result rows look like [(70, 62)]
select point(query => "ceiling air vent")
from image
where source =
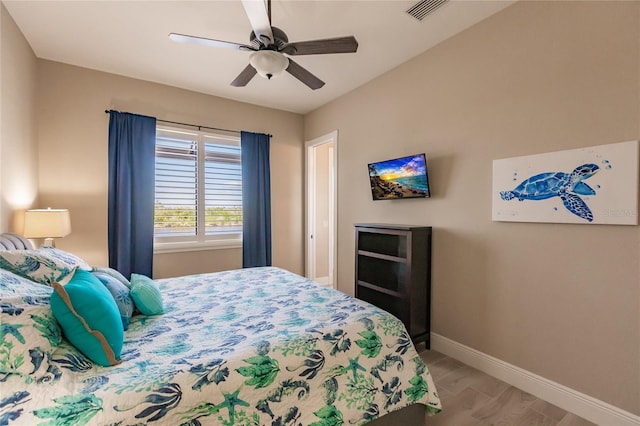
[(424, 7)]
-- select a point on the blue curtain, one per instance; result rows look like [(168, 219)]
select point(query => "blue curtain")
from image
[(132, 140), (256, 200)]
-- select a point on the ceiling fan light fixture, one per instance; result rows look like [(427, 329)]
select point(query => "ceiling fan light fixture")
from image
[(268, 63)]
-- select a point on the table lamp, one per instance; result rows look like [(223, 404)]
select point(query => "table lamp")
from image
[(48, 224)]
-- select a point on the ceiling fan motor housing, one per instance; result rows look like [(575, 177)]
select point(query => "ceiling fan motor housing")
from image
[(280, 39)]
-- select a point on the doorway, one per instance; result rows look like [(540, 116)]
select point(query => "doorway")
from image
[(321, 178)]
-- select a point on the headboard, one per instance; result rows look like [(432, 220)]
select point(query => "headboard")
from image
[(9, 241)]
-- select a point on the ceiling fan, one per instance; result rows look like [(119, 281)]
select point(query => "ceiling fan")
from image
[(271, 48)]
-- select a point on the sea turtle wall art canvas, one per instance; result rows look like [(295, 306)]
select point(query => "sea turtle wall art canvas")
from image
[(592, 185)]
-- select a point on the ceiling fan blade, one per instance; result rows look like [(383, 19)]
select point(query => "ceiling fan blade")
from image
[(183, 38), (260, 20), (244, 77), (318, 47), (304, 76)]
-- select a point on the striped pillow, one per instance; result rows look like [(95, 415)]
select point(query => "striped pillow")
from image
[(146, 295)]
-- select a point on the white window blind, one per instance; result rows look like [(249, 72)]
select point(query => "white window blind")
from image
[(198, 192), (222, 187), (176, 202)]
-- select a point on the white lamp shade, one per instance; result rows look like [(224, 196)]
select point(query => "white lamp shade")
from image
[(268, 63), (47, 223)]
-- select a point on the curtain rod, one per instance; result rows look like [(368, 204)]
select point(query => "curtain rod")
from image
[(108, 111)]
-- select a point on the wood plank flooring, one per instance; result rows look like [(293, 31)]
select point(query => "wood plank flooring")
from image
[(471, 397)]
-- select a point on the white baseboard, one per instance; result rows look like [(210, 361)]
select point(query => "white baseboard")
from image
[(580, 404), (323, 280)]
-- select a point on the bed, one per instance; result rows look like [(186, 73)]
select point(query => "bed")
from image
[(257, 346)]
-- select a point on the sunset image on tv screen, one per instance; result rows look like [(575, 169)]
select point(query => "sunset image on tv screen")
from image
[(399, 178)]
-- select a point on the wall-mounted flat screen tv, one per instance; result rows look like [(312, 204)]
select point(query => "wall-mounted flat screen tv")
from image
[(400, 178)]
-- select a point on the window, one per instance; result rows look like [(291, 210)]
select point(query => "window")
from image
[(198, 192)]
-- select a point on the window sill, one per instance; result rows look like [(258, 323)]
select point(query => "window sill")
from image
[(160, 248)]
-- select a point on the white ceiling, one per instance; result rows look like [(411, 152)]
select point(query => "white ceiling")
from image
[(130, 38)]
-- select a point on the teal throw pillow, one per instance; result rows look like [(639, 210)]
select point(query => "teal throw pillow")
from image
[(89, 317), (120, 294), (146, 295)]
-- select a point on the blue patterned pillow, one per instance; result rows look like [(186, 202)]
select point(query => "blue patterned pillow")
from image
[(146, 295), (120, 293), (29, 334), (114, 273), (64, 257), (89, 317), (36, 266), (15, 285)]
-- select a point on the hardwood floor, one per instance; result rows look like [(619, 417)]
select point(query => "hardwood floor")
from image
[(471, 397)]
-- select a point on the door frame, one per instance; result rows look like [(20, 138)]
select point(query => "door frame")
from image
[(310, 180)]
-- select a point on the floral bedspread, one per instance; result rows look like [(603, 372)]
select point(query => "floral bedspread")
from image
[(259, 346)]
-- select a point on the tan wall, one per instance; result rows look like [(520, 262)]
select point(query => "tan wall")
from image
[(73, 131), (561, 301), (18, 142)]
